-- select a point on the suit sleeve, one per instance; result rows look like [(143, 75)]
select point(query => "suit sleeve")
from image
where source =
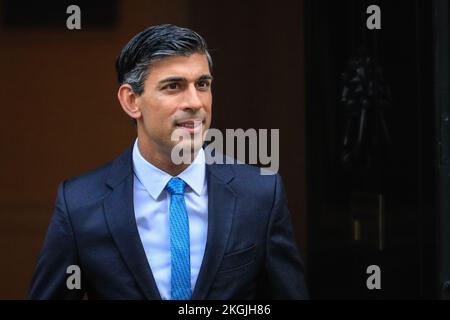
[(58, 253), (284, 267)]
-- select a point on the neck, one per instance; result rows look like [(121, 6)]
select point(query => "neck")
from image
[(161, 159)]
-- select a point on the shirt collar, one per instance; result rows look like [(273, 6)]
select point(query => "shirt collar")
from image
[(155, 180)]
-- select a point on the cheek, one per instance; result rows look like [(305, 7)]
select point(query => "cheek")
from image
[(208, 103), (157, 111)]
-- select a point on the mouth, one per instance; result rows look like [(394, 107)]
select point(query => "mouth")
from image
[(191, 125)]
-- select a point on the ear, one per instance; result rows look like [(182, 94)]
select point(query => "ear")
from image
[(127, 98)]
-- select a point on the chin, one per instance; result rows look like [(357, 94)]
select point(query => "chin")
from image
[(189, 145), (181, 147)]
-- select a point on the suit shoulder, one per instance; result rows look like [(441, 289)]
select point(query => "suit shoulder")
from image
[(251, 178), (261, 175), (254, 187), (88, 187), (240, 169)]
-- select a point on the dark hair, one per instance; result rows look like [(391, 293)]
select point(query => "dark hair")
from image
[(155, 43)]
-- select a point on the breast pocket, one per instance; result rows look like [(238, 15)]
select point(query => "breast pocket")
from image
[(238, 259)]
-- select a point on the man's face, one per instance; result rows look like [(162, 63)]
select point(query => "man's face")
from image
[(177, 97)]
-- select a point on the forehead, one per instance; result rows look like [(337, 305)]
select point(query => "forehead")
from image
[(190, 67)]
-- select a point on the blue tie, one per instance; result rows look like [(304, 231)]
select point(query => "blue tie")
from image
[(179, 242)]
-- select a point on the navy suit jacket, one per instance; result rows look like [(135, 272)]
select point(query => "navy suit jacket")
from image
[(250, 251)]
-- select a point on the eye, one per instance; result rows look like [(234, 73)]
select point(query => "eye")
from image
[(172, 86), (203, 84)]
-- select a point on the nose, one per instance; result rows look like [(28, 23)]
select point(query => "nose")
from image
[(191, 99)]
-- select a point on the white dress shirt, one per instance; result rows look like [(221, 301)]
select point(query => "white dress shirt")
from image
[(151, 209)]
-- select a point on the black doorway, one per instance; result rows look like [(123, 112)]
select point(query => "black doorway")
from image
[(376, 205)]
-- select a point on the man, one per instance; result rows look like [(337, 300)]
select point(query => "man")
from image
[(144, 227)]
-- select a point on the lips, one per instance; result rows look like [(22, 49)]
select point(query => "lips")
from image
[(189, 123)]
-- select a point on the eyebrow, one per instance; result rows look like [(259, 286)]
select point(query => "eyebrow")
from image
[(179, 79)]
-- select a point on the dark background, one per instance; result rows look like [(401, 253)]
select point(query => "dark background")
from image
[(277, 64), (405, 176)]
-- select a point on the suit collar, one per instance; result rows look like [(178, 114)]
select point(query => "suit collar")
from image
[(122, 167)]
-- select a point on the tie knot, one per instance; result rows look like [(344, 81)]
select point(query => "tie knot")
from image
[(176, 186)]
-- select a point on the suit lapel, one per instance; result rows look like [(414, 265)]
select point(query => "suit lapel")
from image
[(119, 213), (221, 206)]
